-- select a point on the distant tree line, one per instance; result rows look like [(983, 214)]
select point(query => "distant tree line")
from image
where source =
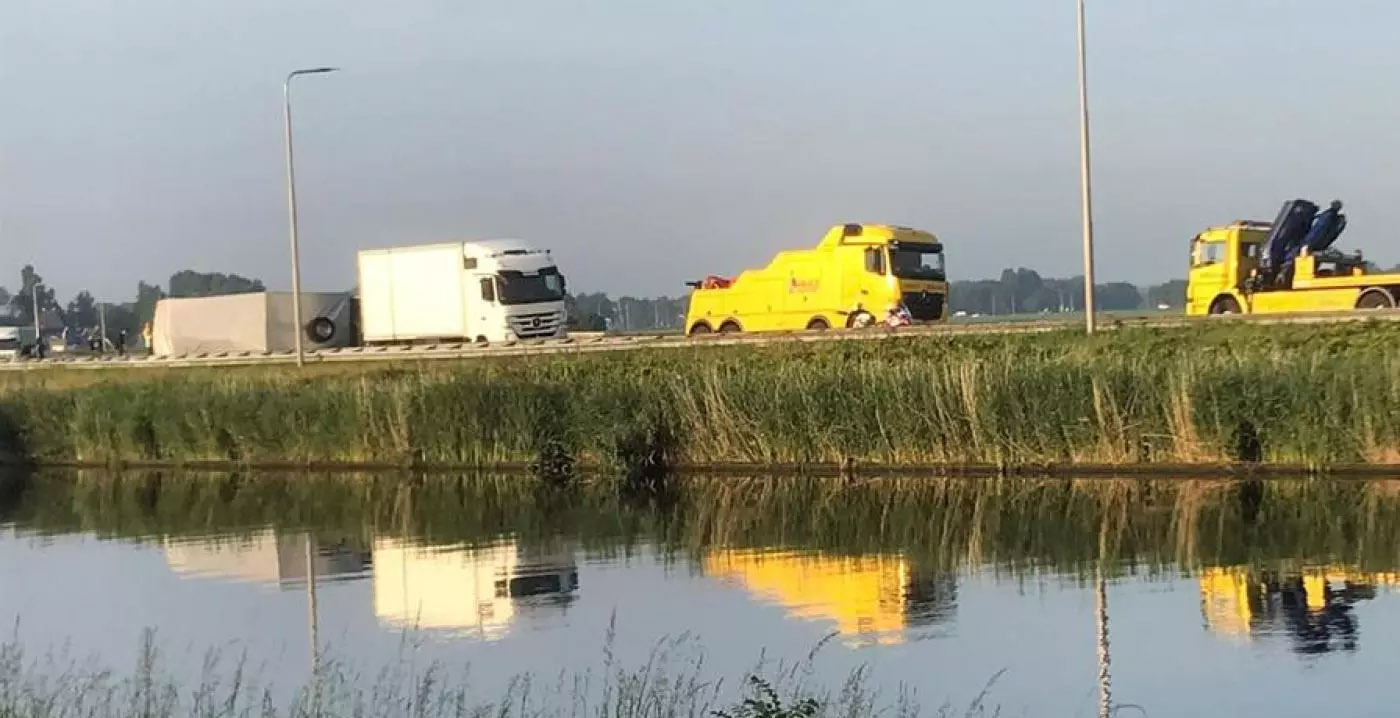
[(81, 316), (597, 312), (1024, 291)]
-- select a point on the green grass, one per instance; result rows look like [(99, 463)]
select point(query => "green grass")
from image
[(674, 682), (1315, 396)]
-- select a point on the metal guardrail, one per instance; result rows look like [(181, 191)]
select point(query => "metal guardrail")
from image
[(588, 343)]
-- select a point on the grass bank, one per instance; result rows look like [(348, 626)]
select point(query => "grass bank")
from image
[(1313, 396)]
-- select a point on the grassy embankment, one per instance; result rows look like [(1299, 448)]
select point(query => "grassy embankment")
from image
[(1313, 396)]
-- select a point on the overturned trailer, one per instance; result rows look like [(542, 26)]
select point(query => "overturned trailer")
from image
[(254, 322)]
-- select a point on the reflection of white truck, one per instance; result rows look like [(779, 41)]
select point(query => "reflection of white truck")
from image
[(496, 290), (480, 590)]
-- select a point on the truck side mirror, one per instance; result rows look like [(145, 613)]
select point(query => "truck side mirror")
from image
[(488, 289)]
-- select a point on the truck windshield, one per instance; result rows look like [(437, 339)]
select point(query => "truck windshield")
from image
[(520, 288), (917, 261)]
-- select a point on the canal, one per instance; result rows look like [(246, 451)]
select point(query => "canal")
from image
[(1195, 597)]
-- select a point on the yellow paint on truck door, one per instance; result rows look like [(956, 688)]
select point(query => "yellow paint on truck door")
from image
[(1209, 275)]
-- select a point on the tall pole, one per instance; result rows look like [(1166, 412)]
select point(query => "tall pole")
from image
[(312, 621), (102, 327), (292, 206), (1101, 644), (1087, 210), (38, 333), (34, 297)]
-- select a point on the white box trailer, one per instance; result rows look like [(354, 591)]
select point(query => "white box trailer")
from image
[(253, 322), (488, 291)]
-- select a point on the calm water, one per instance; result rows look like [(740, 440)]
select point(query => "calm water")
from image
[(1215, 606)]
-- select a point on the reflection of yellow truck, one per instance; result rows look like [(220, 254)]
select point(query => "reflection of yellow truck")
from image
[(855, 277), (1313, 605), (1288, 265), (873, 597)]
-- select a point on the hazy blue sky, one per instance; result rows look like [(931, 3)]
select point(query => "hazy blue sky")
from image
[(649, 142)]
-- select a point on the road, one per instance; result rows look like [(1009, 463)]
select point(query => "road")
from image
[(588, 343)]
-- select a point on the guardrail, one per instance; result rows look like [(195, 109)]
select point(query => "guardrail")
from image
[(587, 343)]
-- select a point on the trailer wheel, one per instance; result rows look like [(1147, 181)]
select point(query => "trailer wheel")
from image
[(730, 328), (1375, 298), (1225, 305), (818, 324), (320, 330), (699, 328)]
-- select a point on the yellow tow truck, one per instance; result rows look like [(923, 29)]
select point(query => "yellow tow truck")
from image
[(1285, 266), (859, 275)]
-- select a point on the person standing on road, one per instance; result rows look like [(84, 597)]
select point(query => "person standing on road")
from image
[(146, 336), (121, 343)]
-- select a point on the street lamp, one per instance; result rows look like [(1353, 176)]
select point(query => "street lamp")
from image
[(1087, 208), (292, 202)]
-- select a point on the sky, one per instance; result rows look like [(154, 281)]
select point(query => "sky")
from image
[(648, 143)]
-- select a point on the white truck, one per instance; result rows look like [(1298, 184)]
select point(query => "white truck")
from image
[(15, 342), (484, 291)]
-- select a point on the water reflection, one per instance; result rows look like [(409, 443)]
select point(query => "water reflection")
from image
[(1314, 607), (477, 591), (266, 557), (871, 599)]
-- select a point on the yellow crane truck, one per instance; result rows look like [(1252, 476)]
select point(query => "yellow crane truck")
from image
[(1286, 266), (859, 275)]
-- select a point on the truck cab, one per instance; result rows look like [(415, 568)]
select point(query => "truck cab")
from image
[(855, 277), (522, 291), (1251, 267), (16, 342)]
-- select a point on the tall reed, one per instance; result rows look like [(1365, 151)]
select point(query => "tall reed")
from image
[(1314, 396)]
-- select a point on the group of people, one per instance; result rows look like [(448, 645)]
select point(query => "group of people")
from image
[(97, 343)]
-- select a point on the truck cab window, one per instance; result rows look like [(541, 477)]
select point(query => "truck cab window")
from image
[(488, 289), (1208, 253), (918, 261), (875, 260)]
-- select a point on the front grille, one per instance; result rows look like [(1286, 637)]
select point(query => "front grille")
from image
[(529, 326), (924, 306)]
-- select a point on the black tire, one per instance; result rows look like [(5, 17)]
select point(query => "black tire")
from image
[(730, 328), (1375, 299), (700, 329), (818, 324), (861, 320), (1225, 305), (320, 330)]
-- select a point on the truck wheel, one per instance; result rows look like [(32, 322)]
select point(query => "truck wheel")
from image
[(1375, 299), (1225, 305), (699, 329), (320, 330), (729, 328), (818, 325), (861, 320)]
